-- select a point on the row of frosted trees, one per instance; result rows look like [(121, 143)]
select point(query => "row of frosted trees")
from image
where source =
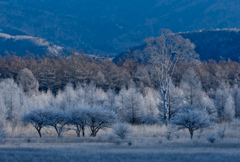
[(20, 101)]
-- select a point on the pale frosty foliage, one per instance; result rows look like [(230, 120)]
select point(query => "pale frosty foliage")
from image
[(89, 95), (110, 102), (151, 102), (192, 88), (224, 103), (208, 106), (130, 104), (28, 82), (41, 100), (13, 100), (69, 97), (193, 94), (174, 100)]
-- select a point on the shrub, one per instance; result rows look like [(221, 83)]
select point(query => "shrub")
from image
[(122, 130), (129, 143), (211, 138), (160, 140)]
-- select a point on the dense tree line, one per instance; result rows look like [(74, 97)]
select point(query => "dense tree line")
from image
[(54, 73), (88, 106)]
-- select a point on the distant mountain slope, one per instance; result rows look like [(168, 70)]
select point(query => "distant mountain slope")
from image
[(19, 45), (216, 44), (112, 26), (210, 44)]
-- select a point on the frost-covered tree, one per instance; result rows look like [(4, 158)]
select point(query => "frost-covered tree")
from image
[(28, 82), (56, 118), (68, 97), (132, 105), (110, 102), (37, 118), (13, 99), (162, 55), (100, 118), (192, 88), (208, 106), (50, 98), (91, 95), (151, 102), (191, 118), (224, 103), (174, 100), (41, 100), (79, 118), (3, 111), (236, 99), (193, 94)]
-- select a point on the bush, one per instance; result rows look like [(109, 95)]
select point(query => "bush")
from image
[(129, 143), (211, 138), (160, 140), (122, 130)]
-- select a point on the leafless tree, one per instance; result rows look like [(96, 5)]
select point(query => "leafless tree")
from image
[(28, 82), (162, 54)]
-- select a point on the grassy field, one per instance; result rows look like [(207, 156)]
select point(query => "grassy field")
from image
[(73, 149), (146, 143)]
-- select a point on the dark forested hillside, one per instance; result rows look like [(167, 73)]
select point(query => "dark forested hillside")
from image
[(210, 44), (110, 27), (216, 44)]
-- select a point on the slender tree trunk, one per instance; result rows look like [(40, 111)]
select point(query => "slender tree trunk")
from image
[(39, 132), (191, 133), (83, 129), (165, 106), (78, 133)]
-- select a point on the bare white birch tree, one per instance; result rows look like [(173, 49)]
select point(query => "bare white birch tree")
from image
[(162, 54)]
